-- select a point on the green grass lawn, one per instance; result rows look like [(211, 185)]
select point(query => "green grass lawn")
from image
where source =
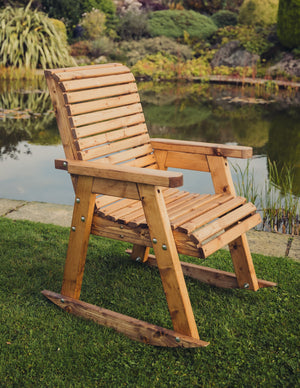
[(254, 336)]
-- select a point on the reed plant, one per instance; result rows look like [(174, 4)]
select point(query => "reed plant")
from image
[(29, 39), (276, 202)]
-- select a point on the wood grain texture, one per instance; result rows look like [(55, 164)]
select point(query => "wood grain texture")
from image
[(135, 329), (202, 148)]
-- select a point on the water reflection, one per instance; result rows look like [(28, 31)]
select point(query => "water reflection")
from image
[(29, 139)]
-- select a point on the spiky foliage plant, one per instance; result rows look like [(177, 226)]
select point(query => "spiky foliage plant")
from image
[(28, 38)]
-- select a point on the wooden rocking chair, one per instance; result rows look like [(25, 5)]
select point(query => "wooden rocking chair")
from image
[(123, 191)]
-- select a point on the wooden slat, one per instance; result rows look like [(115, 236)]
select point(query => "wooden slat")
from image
[(230, 235), (188, 206), (212, 214), (222, 223), (133, 328), (105, 200), (203, 214), (84, 72), (130, 154), (145, 161), (112, 136), (136, 216), (115, 147), (117, 212), (92, 94), (138, 219), (105, 103), (94, 117), (110, 125), (90, 83), (205, 204)]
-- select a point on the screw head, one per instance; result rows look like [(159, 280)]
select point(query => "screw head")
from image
[(154, 241), (82, 219), (62, 301), (65, 164), (246, 285), (177, 339), (164, 247), (78, 200), (138, 259), (73, 228)]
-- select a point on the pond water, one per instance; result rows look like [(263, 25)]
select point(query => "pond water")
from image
[(270, 123)]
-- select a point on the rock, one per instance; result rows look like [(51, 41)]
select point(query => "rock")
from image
[(288, 64), (233, 55)]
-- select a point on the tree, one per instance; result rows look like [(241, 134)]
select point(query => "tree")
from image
[(288, 23)]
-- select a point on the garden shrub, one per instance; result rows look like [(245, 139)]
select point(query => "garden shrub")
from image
[(224, 18), (261, 13), (102, 46), (81, 48), (174, 23), (212, 6), (93, 24), (136, 50), (30, 39), (288, 25), (168, 67), (254, 41), (72, 10), (133, 25)]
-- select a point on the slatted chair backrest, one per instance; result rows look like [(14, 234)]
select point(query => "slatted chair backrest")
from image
[(100, 116)]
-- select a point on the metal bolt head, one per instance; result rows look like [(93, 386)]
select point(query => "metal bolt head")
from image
[(121, 236), (138, 259), (82, 219), (78, 200), (154, 241), (164, 247), (177, 339), (73, 228), (62, 301), (246, 285), (65, 164), (121, 227)]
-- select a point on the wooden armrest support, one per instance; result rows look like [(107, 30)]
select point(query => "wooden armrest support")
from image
[(121, 173), (202, 148)]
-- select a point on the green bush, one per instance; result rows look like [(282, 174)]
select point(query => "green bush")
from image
[(29, 38), (93, 24), (71, 10), (254, 41), (258, 12), (136, 50), (288, 26), (60, 28), (133, 25), (174, 23), (224, 18)]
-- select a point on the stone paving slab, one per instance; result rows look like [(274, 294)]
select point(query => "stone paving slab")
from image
[(44, 212), (267, 243), (9, 205), (295, 248)]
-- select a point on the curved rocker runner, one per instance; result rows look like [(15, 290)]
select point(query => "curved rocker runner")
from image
[(123, 191)]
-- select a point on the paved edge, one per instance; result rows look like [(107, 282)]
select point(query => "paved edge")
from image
[(265, 243)]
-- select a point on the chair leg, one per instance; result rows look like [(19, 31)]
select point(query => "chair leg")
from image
[(243, 264), (168, 261), (140, 253), (79, 238)]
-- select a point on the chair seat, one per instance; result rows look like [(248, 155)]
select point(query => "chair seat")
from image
[(201, 223)]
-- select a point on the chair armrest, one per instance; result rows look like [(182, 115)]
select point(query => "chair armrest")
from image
[(202, 148), (121, 173)]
